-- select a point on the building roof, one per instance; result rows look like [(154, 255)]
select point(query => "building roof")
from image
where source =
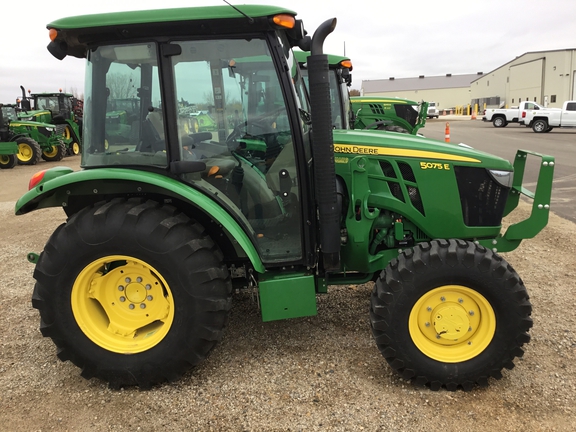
[(419, 83)]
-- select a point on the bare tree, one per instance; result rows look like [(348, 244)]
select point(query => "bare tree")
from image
[(121, 86), (354, 92)]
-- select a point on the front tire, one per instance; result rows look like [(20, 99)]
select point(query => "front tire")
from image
[(450, 314), (540, 126), (132, 292), (56, 153), (29, 151), (8, 161)]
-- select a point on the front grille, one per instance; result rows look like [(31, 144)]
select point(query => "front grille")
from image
[(482, 199), (407, 112)]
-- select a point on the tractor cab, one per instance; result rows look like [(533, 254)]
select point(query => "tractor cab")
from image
[(340, 78)]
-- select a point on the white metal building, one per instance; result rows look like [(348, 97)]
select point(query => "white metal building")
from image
[(448, 91), (546, 77)]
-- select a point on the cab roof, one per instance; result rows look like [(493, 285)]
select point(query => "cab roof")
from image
[(166, 15)]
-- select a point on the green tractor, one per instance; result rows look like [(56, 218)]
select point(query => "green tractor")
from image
[(391, 114), (8, 148), (340, 79), (60, 109), (35, 140), (136, 286), (356, 112)]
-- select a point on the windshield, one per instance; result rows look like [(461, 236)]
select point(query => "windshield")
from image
[(227, 108), (9, 113), (339, 99)]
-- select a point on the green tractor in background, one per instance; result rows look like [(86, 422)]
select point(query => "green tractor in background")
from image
[(8, 148), (390, 114), (359, 112), (35, 140), (60, 109), (136, 286)]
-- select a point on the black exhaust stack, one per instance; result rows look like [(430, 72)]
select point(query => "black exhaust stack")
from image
[(323, 149)]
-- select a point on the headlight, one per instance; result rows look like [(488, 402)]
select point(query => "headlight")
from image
[(504, 178)]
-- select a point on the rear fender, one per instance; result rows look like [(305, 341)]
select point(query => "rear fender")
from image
[(62, 187)]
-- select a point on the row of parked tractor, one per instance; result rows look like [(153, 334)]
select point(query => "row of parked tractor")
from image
[(40, 126)]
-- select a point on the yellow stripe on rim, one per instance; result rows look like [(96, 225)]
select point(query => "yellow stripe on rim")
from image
[(390, 151)]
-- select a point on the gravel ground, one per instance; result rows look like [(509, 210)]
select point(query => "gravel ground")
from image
[(319, 373)]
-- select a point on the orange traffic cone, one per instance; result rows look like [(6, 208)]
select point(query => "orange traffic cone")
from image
[(474, 115), (447, 133)]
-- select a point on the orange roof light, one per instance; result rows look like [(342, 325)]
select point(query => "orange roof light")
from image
[(346, 64), (53, 33), (284, 20)]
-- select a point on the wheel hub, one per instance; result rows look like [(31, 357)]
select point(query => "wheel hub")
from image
[(122, 304), (452, 323)]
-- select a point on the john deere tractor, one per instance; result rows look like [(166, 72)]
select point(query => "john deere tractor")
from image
[(59, 109), (391, 114), (357, 112), (136, 286), (35, 140), (8, 148)]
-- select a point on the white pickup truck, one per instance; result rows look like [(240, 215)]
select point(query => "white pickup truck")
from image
[(500, 117), (544, 120)]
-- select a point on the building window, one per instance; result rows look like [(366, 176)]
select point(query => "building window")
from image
[(487, 83), (552, 98), (519, 100), (535, 99), (512, 100)]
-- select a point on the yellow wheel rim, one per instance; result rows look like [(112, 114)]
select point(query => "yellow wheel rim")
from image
[(25, 152), (67, 132), (52, 152), (4, 160), (452, 324), (76, 147), (122, 304)]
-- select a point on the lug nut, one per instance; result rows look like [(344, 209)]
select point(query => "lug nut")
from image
[(142, 306), (460, 300), (122, 299), (429, 309), (471, 313), (148, 287), (138, 279), (120, 288), (149, 298), (131, 306), (128, 280), (443, 298)]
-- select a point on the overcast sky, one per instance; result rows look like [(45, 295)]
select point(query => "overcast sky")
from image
[(384, 38)]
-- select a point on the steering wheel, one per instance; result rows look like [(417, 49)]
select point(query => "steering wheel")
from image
[(245, 129)]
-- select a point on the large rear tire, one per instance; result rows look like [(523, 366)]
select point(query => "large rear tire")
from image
[(132, 292), (451, 314), (29, 151)]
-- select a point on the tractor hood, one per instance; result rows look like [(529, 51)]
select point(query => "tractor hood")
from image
[(34, 124), (392, 144)]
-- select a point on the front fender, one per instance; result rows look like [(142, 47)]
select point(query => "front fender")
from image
[(57, 185)]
